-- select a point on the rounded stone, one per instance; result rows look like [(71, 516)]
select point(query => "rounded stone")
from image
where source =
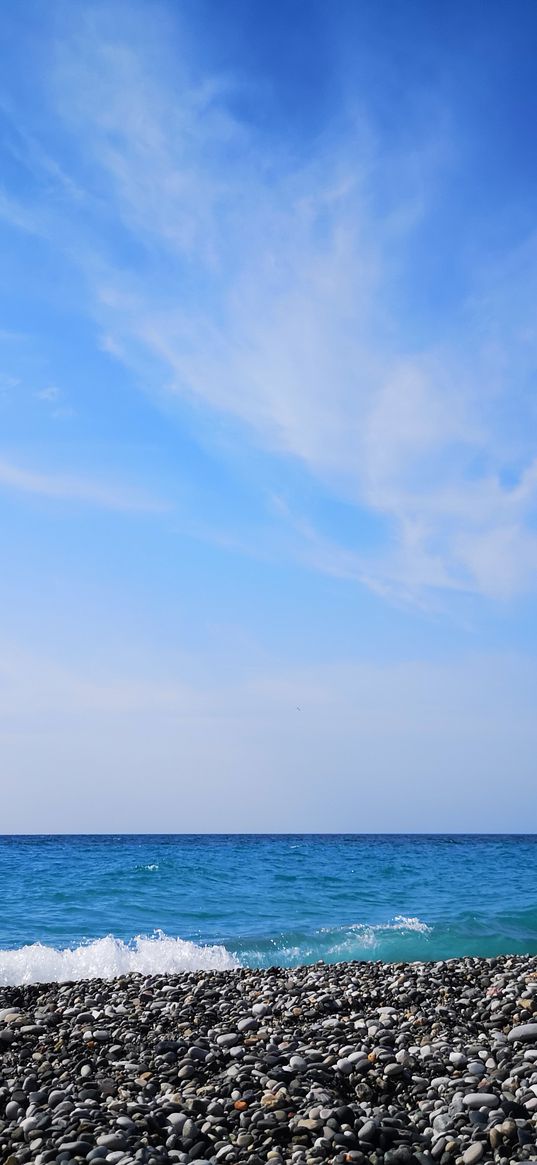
[(474, 1153), (112, 1141), (526, 1032), (481, 1100)]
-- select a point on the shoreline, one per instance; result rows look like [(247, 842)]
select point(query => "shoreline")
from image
[(362, 1062)]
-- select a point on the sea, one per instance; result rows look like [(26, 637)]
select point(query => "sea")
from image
[(79, 907)]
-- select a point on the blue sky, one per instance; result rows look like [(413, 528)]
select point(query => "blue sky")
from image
[(268, 464)]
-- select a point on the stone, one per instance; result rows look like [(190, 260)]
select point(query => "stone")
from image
[(474, 1153), (112, 1141), (247, 1024), (322, 1071), (55, 1097), (227, 1039), (480, 1100), (368, 1132), (526, 1032)]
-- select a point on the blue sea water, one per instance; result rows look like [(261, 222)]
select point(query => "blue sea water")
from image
[(81, 906)]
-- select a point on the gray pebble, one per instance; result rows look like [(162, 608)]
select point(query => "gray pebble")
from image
[(112, 1141), (227, 1040), (364, 1062), (480, 1100), (524, 1031)]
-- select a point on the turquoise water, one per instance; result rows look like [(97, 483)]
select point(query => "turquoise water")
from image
[(80, 906)]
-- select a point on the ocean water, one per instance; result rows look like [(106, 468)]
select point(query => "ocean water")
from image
[(85, 906)]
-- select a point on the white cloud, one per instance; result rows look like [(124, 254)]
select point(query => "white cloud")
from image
[(8, 383), (73, 489), (267, 290), (51, 394), (53, 397), (16, 214)]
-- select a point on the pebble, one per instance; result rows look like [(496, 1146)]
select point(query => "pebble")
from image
[(111, 1141), (474, 1153), (524, 1031), (480, 1100), (358, 1062)]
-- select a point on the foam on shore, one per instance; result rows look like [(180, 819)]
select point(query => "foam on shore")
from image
[(108, 958), (161, 954)]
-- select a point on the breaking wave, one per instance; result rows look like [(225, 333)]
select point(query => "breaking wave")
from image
[(107, 958), (402, 937), (161, 954)]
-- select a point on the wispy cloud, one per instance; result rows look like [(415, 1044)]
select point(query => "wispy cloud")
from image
[(8, 383), (74, 489), (54, 400), (269, 289), (17, 214), (51, 394)]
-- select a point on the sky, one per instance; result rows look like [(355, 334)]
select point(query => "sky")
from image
[(268, 419)]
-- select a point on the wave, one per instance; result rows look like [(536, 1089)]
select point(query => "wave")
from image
[(381, 939), (107, 958), (401, 923), (161, 954), (405, 938), (401, 937), (372, 936)]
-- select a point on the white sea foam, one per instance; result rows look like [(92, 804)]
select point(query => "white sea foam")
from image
[(339, 943), (400, 923), (403, 922), (106, 958), (348, 941), (372, 935)]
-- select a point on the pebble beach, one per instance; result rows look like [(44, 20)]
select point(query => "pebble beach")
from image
[(362, 1062)]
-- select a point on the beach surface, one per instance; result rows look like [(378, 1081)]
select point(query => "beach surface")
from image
[(359, 1062)]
